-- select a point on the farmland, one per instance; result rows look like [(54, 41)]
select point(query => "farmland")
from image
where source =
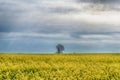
[(59, 66)]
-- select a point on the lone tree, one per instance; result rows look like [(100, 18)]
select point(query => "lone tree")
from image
[(60, 48)]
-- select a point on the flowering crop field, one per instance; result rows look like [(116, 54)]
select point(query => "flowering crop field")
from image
[(59, 66)]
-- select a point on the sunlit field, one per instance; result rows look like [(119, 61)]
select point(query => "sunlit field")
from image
[(59, 66)]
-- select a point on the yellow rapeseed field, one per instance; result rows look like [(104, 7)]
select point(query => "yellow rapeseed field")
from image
[(59, 66)]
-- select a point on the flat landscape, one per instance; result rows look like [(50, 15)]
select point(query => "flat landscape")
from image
[(60, 66)]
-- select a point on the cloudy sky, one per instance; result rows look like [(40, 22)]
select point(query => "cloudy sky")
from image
[(39, 25)]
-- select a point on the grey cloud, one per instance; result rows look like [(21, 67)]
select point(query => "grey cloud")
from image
[(32, 22), (100, 5), (51, 22), (99, 1), (63, 10), (78, 35), (16, 7)]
